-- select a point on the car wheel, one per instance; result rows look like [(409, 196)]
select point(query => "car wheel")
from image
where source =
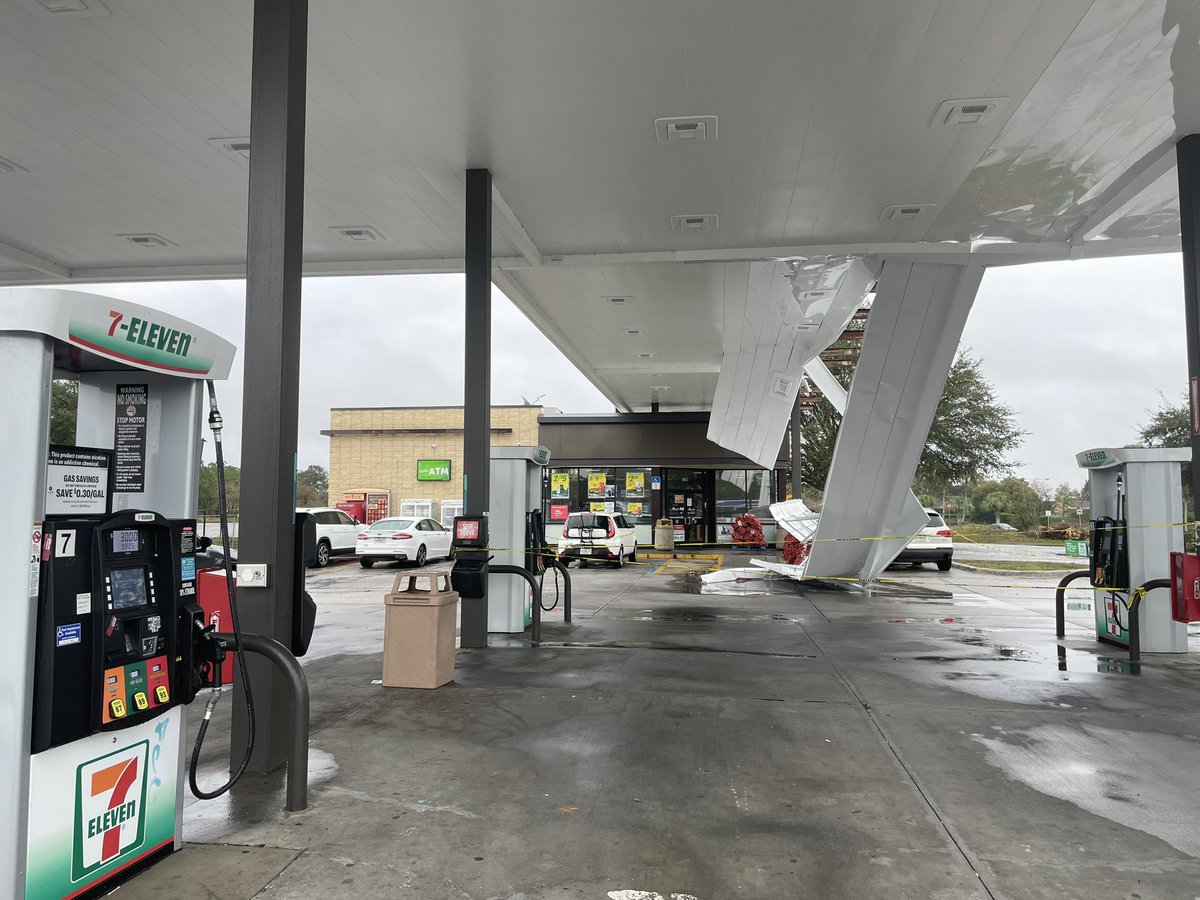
[(322, 553), (633, 555), (450, 553), (620, 557), (944, 565), (365, 563), (421, 555)]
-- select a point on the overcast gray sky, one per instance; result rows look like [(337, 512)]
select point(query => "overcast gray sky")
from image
[(1080, 350)]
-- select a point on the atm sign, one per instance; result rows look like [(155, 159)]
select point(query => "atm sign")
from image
[(433, 470)]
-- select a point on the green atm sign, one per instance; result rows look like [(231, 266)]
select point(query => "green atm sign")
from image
[(433, 470)]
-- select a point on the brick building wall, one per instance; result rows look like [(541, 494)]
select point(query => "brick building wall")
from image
[(378, 449)]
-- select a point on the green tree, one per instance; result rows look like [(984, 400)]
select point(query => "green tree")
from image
[(208, 488), (972, 431), (996, 502), (312, 487), (1065, 500), (64, 410), (970, 437), (1170, 425)]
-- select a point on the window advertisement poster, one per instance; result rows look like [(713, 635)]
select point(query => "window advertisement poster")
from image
[(635, 484), (558, 512), (560, 486), (597, 482), (633, 509), (597, 506)]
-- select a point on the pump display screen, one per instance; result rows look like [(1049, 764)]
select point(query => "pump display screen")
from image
[(129, 587), (126, 541)]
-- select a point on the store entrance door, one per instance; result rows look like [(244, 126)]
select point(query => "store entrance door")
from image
[(686, 510)]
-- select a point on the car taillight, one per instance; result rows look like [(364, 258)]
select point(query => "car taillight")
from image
[(612, 529), (564, 532), (945, 532), (401, 536), (362, 536)]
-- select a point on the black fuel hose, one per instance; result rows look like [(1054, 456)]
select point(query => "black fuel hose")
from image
[(215, 423)]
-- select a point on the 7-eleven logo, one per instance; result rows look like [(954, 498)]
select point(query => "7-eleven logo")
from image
[(110, 794)]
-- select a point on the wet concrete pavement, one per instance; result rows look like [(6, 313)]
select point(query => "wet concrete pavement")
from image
[(926, 741)]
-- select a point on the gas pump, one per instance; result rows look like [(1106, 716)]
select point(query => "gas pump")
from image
[(516, 488), (99, 542), (1137, 508)]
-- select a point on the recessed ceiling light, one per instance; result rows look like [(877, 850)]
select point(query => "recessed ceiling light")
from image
[(967, 112), (235, 146), (647, 355), (634, 332), (8, 165), (678, 129), (706, 222), (66, 9), (358, 234), (148, 240), (660, 387), (622, 302)]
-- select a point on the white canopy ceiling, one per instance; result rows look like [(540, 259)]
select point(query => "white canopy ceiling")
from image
[(832, 138)]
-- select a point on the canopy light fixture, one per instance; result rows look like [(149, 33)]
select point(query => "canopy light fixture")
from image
[(148, 241), (66, 9), (905, 212), (235, 146), (358, 234), (706, 222), (967, 112), (679, 129)]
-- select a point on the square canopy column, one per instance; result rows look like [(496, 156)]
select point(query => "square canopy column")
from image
[(272, 362), (477, 383)]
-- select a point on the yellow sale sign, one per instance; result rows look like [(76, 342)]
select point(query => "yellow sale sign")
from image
[(596, 483), (635, 482)]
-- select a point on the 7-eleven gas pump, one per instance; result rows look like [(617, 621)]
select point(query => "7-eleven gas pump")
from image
[(97, 566), (1137, 524)]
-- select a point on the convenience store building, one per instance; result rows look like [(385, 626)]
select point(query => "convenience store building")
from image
[(646, 466)]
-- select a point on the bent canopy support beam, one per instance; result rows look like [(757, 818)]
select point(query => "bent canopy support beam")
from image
[(912, 335)]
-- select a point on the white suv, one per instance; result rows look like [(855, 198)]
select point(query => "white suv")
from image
[(337, 532), (606, 536), (935, 543)]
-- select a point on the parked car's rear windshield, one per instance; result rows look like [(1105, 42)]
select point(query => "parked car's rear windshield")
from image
[(391, 524), (587, 520), (936, 521)]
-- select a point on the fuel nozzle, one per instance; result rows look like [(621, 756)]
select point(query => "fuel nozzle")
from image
[(214, 415)]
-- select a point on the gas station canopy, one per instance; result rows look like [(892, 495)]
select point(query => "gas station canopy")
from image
[(638, 150)]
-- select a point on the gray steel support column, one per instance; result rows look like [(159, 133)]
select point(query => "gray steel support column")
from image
[(1187, 153), (477, 391), (272, 362)]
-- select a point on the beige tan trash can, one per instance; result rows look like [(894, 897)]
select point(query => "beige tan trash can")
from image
[(664, 535), (418, 631)]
